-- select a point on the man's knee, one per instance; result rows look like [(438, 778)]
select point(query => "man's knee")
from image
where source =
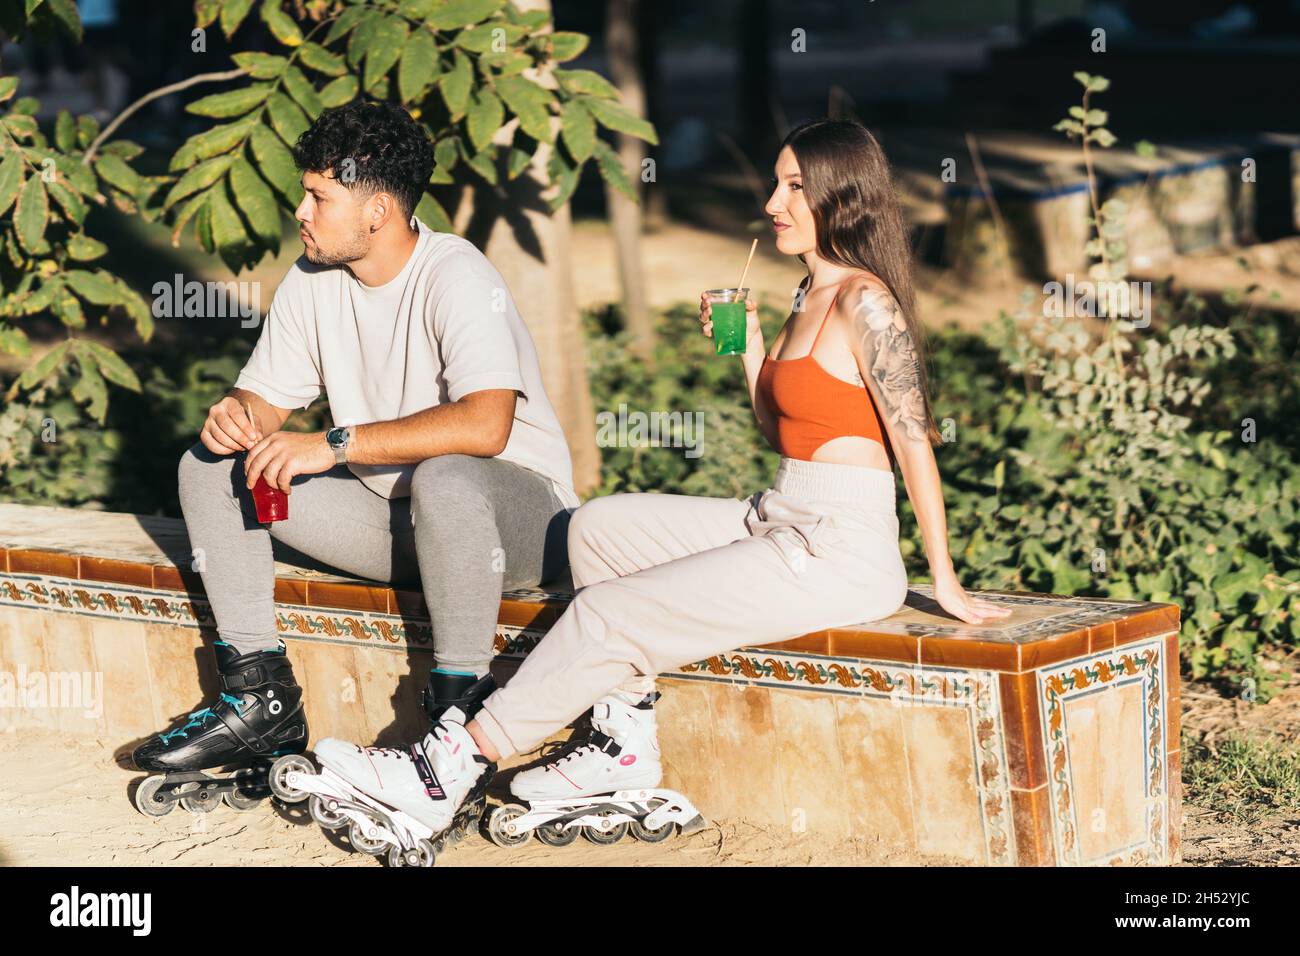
[(200, 468), (448, 484)]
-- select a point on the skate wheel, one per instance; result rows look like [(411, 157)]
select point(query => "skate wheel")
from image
[(422, 854), (278, 777), (371, 846), (247, 792), (502, 828), (552, 835), (320, 811), (643, 833), (149, 799), (203, 800), (603, 837)]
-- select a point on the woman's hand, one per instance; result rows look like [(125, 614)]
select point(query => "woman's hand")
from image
[(753, 331), (953, 598)]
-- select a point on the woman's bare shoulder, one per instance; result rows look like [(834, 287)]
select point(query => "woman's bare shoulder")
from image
[(867, 306)]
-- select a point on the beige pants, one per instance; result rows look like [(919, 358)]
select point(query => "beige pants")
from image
[(667, 580)]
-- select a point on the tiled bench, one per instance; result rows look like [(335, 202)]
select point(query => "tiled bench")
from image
[(1048, 738)]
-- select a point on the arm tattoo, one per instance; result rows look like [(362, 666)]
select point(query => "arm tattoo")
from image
[(890, 349)]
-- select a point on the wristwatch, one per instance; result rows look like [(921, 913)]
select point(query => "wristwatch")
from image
[(338, 439)]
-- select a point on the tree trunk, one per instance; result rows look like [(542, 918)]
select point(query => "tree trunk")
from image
[(532, 249), (624, 214)]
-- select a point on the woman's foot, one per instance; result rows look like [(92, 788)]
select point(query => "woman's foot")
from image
[(622, 753)]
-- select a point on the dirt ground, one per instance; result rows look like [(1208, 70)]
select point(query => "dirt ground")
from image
[(70, 804)]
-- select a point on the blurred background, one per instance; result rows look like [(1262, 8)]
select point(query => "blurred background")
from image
[(1047, 462)]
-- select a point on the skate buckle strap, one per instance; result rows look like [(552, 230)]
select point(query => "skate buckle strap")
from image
[(430, 779), (604, 742)]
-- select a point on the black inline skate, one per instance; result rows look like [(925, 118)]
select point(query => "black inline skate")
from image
[(257, 718), (374, 827)]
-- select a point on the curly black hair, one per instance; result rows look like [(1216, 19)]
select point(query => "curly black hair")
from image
[(390, 151)]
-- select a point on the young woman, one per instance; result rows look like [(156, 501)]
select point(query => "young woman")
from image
[(666, 580)]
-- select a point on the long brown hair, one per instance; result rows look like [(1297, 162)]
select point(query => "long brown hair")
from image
[(857, 217)]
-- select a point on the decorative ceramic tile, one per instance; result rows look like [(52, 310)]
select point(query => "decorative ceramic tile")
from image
[(1139, 664)]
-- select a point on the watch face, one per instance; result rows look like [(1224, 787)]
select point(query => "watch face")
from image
[(336, 436)]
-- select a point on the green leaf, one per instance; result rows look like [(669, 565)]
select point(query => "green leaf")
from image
[(257, 203), (485, 117), (287, 118), (301, 89), (95, 287), (261, 66), (232, 103), (359, 42), (68, 17), (463, 13), (340, 91), (516, 162), (90, 387), (11, 178), (345, 22), (73, 206), (316, 57), (68, 308), (112, 365), (8, 84), (65, 132), (83, 248), (566, 46), (386, 45), (233, 13), (564, 177), (611, 167), (87, 130), (481, 162), (419, 65), (31, 214), (276, 164), (529, 102), (431, 213), (586, 81), (227, 231), (480, 39), (119, 174), (280, 24), (579, 130), (205, 12), (1103, 137), (201, 176), (209, 143), (13, 341), (618, 117), (455, 86), (418, 9), (446, 151), (186, 212), (36, 373)]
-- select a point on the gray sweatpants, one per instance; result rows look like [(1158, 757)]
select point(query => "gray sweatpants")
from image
[(471, 528)]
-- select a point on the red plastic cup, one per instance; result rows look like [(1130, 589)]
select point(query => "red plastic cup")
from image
[(271, 503)]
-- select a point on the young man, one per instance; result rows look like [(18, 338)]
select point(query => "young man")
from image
[(447, 463)]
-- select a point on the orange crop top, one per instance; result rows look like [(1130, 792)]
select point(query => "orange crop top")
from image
[(812, 406)]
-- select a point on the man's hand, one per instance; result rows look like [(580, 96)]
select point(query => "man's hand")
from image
[(227, 429), (280, 457)]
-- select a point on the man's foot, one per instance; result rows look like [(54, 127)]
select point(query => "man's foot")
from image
[(431, 781)]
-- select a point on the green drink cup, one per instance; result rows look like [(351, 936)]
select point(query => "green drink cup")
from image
[(727, 312)]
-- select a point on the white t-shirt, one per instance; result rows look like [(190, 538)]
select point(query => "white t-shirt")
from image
[(443, 327)]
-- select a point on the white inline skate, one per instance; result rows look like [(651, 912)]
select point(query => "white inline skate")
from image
[(406, 803), (602, 788)]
